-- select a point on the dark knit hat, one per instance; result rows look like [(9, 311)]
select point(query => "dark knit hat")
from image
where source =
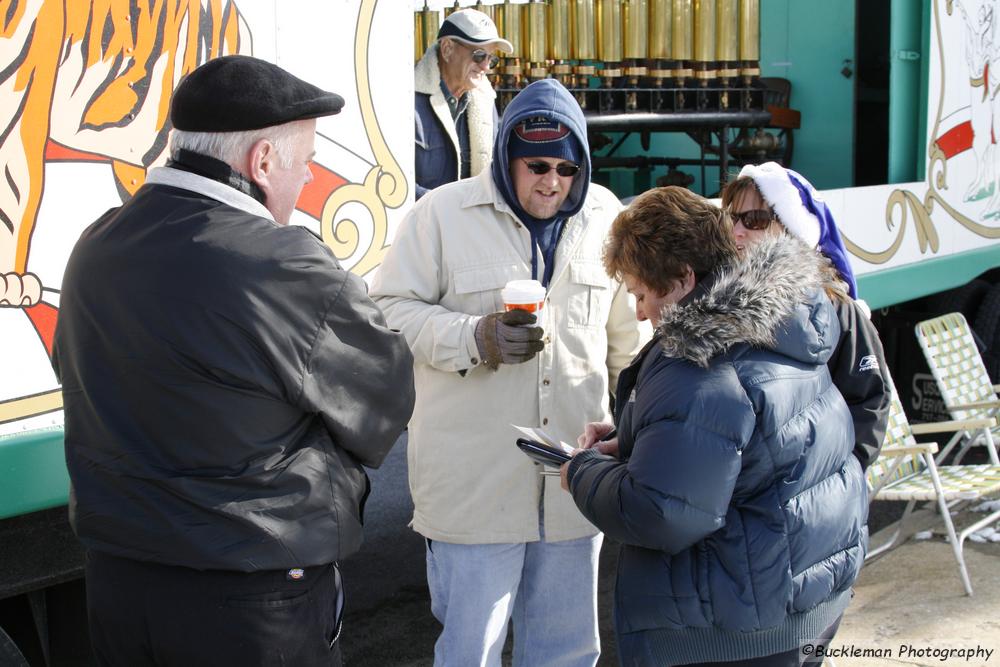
[(237, 93), (543, 137)]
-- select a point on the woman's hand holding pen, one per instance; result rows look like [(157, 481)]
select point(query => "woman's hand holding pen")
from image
[(601, 435)]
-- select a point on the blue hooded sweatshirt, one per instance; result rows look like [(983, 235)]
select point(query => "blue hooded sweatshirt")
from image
[(548, 99)]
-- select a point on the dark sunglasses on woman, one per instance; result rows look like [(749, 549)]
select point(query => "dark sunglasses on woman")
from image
[(563, 168), (756, 220)]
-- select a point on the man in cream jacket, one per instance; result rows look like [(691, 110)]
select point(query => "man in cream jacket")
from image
[(503, 542)]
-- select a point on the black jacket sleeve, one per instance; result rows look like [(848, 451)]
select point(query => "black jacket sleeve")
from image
[(359, 375), (859, 370), (673, 491)]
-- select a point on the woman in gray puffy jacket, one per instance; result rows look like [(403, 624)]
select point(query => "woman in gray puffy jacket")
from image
[(731, 484)]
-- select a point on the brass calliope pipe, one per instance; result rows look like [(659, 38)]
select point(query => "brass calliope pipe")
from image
[(534, 31), (749, 40), (560, 50), (583, 41), (426, 23), (682, 39), (635, 31), (509, 25), (659, 42), (635, 46), (609, 40), (727, 40), (705, 69)]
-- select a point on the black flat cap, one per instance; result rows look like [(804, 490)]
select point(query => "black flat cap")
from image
[(236, 93)]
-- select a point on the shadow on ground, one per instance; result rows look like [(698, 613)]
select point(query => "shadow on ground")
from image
[(910, 595)]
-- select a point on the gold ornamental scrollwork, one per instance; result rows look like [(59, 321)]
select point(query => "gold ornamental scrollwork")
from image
[(344, 236), (908, 204), (384, 186)]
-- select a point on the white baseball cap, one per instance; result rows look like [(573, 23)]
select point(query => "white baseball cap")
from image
[(472, 27)]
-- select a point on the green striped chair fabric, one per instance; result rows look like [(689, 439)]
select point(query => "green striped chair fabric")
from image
[(961, 377)]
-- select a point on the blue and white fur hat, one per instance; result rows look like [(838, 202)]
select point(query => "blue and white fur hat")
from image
[(803, 213)]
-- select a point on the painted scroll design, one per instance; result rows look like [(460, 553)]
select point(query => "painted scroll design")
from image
[(902, 205), (384, 186)]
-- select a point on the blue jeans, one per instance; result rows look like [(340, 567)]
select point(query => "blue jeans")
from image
[(548, 589)]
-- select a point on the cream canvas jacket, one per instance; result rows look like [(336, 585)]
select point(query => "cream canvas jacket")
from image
[(453, 253)]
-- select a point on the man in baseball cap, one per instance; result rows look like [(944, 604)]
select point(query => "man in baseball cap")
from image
[(225, 379), (456, 117), (504, 543)]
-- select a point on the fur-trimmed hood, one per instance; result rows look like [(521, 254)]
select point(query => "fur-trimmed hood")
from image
[(772, 297)]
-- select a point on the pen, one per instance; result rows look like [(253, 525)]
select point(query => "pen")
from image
[(613, 433)]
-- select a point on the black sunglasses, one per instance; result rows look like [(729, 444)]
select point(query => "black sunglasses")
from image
[(563, 168), (478, 56), (756, 220)]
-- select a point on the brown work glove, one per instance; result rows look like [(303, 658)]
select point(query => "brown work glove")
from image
[(503, 338)]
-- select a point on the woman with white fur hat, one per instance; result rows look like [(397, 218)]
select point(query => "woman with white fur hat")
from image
[(769, 199)]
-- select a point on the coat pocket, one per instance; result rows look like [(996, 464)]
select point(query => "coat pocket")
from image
[(589, 297), (477, 288)]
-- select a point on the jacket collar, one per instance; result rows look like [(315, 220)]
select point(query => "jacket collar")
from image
[(208, 187), (771, 298), (484, 192)]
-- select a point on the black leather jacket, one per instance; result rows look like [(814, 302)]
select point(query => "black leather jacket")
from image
[(224, 379)]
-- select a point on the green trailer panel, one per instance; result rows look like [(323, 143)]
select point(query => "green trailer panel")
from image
[(929, 276), (33, 472)]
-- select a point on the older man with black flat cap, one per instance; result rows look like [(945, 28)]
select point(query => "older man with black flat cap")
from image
[(456, 118), (224, 381)]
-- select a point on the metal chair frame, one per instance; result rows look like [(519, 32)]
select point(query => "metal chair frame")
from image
[(906, 471)]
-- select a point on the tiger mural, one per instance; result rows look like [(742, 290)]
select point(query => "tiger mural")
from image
[(91, 78), (85, 87)]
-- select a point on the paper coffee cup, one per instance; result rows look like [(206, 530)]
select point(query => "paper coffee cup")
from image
[(527, 295)]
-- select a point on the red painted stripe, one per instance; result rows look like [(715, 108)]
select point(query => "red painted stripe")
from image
[(315, 194), (58, 153), (43, 316), (956, 140)]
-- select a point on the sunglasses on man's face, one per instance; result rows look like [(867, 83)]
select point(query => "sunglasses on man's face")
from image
[(478, 56), (565, 169), (756, 220)]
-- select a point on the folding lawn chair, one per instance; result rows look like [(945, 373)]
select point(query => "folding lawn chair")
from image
[(905, 470), (961, 378)]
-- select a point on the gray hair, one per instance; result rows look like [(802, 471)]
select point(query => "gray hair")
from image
[(232, 147)]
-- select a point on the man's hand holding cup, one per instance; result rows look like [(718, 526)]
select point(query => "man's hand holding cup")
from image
[(512, 336)]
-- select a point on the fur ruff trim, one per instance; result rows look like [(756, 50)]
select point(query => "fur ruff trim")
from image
[(427, 80), (746, 303), (775, 184)]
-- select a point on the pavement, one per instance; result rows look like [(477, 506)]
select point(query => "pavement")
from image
[(909, 606)]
